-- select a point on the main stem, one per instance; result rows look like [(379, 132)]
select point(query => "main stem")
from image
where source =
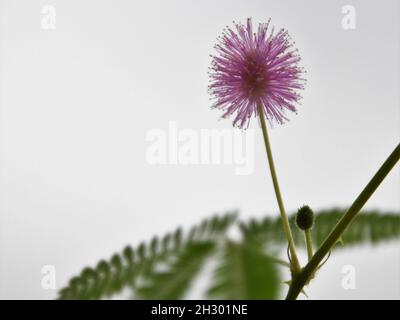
[(285, 222), (301, 279)]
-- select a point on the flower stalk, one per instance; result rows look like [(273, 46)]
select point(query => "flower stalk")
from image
[(295, 265), (303, 277), (308, 238)]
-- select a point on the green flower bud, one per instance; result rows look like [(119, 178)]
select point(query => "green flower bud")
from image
[(305, 218)]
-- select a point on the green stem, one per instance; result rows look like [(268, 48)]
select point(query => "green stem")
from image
[(307, 234), (285, 222), (301, 279)]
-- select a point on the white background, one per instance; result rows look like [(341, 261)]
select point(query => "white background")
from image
[(76, 104)]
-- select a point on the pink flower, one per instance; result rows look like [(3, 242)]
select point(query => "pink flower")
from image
[(255, 70)]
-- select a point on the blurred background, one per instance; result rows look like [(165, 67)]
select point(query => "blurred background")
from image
[(83, 82)]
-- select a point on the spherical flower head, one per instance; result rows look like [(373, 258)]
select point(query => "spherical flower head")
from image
[(255, 72)]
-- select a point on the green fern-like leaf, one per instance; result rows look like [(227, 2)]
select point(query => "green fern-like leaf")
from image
[(123, 270), (173, 282), (164, 267), (245, 272), (369, 226)]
